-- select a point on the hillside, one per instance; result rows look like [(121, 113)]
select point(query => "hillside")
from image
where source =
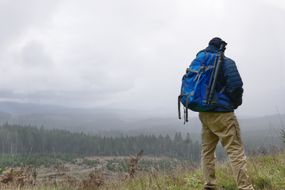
[(267, 173)]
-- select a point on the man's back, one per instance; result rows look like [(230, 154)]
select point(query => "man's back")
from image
[(228, 79)]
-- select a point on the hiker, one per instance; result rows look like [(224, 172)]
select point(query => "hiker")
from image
[(216, 115)]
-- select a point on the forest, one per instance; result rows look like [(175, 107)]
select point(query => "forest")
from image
[(30, 140)]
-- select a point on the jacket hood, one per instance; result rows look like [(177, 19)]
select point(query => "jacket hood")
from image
[(210, 48)]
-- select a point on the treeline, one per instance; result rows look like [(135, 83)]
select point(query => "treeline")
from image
[(29, 140)]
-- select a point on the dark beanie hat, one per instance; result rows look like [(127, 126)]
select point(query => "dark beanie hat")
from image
[(217, 42)]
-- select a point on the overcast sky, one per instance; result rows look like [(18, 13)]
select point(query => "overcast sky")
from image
[(130, 54)]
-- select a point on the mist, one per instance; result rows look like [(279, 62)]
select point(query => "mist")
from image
[(129, 56)]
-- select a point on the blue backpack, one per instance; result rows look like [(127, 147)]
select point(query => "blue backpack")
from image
[(196, 86)]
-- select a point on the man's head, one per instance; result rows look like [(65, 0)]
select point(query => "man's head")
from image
[(216, 42)]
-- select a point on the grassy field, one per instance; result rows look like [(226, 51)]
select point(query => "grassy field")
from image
[(267, 172)]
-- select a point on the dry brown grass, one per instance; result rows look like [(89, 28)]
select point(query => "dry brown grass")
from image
[(133, 164), (59, 175)]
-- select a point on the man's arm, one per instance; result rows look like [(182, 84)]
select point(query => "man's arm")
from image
[(233, 82)]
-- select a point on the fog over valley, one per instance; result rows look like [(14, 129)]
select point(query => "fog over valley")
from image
[(128, 57)]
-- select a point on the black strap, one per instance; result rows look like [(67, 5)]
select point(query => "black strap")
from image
[(185, 109), (186, 116), (179, 107)]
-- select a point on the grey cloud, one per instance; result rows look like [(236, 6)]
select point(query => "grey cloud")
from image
[(132, 54), (16, 17), (34, 55), (86, 98)]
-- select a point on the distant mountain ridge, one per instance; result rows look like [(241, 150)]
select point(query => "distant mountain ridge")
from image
[(109, 122)]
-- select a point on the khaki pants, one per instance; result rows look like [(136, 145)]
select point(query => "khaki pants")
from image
[(223, 127)]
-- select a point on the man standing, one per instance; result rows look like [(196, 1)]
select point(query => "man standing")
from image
[(221, 124)]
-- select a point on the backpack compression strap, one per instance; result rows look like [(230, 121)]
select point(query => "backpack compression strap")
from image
[(179, 108), (185, 109)]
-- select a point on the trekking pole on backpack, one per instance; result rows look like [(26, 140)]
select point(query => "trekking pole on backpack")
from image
[(214, 75)]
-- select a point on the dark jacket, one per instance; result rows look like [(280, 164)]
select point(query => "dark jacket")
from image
[(230, 80)]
